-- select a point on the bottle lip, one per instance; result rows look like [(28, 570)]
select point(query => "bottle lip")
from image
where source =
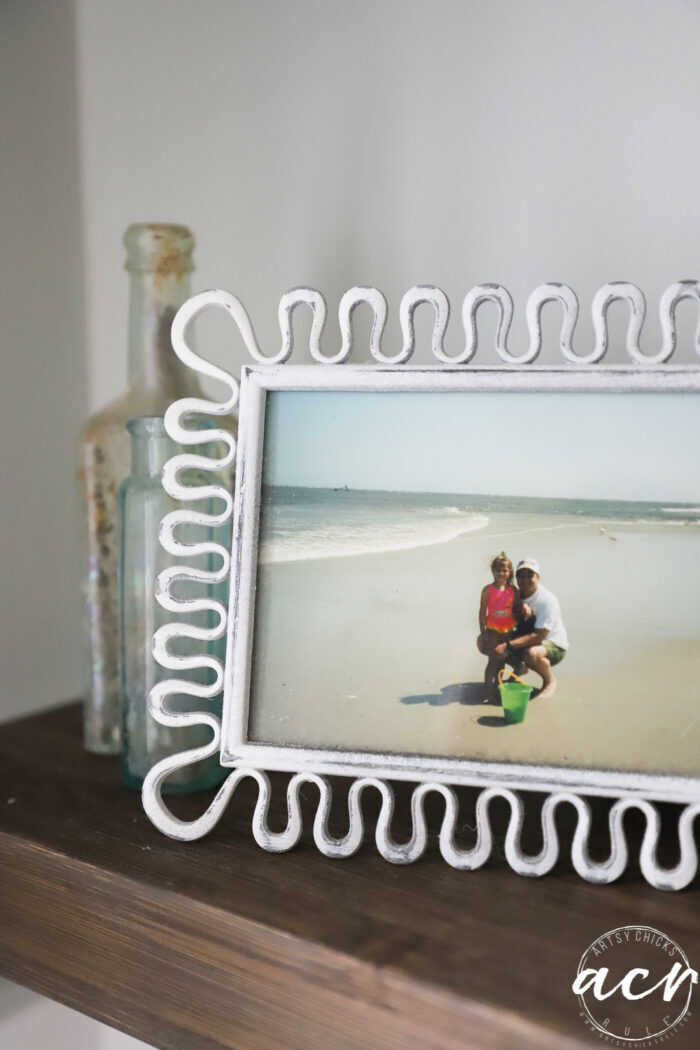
[(159, 247), (154, 426)]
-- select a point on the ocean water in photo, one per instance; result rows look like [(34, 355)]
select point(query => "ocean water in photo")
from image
[(301, 524)]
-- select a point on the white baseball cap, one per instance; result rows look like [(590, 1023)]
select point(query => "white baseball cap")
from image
[(529, 563)]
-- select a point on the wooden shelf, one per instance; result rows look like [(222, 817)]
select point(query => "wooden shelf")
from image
[(218, 944)]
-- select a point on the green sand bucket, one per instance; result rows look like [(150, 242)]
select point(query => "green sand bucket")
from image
[(514, 696)]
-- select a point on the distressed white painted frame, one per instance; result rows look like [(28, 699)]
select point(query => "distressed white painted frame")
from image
[(377, 771)]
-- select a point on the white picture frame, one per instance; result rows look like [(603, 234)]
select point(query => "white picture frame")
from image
[(379, 770)]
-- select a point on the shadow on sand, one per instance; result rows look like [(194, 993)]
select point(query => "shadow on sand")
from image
[(494, 721), (470, 694), (467, 693)]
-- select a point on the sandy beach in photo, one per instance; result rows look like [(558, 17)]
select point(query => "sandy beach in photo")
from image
[(377, 651)]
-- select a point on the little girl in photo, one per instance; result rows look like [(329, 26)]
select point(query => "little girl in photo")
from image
[(498, 614)]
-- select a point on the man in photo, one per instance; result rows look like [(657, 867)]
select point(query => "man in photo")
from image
[(545, 642)]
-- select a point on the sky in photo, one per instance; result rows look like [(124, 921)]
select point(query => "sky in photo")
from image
[(565, 445)]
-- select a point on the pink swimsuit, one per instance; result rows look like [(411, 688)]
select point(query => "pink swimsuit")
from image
[(499, 611)]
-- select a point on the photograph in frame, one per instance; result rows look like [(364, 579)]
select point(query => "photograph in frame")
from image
[(403, 537)]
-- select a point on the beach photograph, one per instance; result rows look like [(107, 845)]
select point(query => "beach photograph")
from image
[(507, 577)]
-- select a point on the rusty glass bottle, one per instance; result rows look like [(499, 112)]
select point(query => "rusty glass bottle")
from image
[(159, 263)]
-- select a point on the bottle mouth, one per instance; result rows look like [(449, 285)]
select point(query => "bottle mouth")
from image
[(159, 247), (152, 426)]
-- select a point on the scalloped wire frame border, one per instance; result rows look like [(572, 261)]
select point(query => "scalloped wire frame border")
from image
[(466, 859)]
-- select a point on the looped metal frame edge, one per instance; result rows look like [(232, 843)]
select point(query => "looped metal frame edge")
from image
[(405, 853)]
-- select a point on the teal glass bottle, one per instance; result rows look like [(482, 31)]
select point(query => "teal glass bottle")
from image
[(142, 504)]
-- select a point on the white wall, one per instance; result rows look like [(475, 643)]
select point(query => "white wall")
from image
[(314, 142), (42, 355), (390, 143)]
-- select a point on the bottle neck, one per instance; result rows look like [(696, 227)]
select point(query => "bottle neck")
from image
[(151, 447), (154, 299)]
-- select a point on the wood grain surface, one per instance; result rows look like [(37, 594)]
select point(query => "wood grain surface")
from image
[(218, 944)]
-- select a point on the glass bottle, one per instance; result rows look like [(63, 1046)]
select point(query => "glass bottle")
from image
[(142, 504), (159, 263)]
